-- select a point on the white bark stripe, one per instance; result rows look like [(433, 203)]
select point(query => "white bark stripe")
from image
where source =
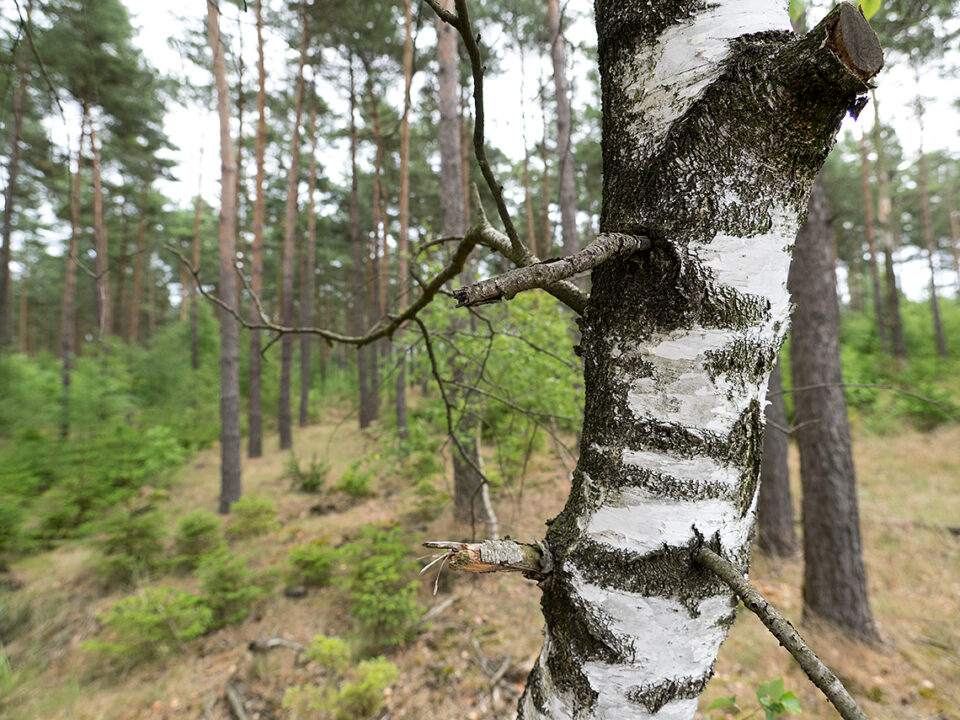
[(686, 59), (696, 472), (633, 520)]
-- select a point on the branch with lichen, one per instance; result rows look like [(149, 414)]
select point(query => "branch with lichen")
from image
[(548, 272)]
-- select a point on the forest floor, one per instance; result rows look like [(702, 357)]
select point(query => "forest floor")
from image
[(908, 488)]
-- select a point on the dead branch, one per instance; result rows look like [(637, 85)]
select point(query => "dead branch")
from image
[(534, 561), (821, 676), (235, 700), (384, 328), (547, 272)]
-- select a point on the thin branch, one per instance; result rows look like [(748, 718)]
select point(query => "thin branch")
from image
[(819, 674), (534, 561), (485, 234), (870, 386), (451, 432), (445, 15), (547, 272), (384, 328)]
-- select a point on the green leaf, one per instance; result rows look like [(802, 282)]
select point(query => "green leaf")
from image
[(870, 7), (790, 702), (770, 691), (796, 9), (723, 702)]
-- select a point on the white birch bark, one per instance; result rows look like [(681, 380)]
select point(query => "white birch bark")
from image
[(715, 124)]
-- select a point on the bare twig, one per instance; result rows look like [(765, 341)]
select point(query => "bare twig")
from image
[(235, 700), (819, 674), (534, 561), (384, 328), (870, 386), (546, 272)]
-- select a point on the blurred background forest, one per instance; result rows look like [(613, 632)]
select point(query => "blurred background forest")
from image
[(124, 594)]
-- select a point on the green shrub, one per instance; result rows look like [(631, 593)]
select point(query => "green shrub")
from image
[(15, 614), (250, 516), (10, 521), (150, 624), (362, 695), (132, 547), (355, 481), (312, 479), (428, 503), (332, 653), (383, 604), (199, 533), (344, 693), (229, 588), (313, 562)]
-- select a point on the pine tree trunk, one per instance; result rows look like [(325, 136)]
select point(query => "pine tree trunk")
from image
[(68, 322), (359, 266), (22, 320), (546, 242), (885, 221), (954, 233), (927, 224), (834, 585), (102, 267), (870, 233), (775, 532), (194, 286), (230, 482), (377, 245), (255, 408), (568, 190), (309, 257), (403, 241), (136, 300), (678, 342), (289, 247), (9, 195), (118, 300)]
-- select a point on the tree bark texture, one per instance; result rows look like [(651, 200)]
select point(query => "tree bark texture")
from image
[(194, 286), (775, 532), (834, 580), (9, 195), (403, 240), (678, 342), (359, 256), (927, 225), (136, 299), (309, 256), (885, 224), (871, 236), (289, 249), (102, 266), (68, 322), (568, 189), (255, 406), (230, 487)]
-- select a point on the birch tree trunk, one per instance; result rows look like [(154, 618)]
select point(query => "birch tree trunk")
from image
[(255, 406), (678, 342), (568, 190), (289, 247), (230, 487), (834, 579)]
